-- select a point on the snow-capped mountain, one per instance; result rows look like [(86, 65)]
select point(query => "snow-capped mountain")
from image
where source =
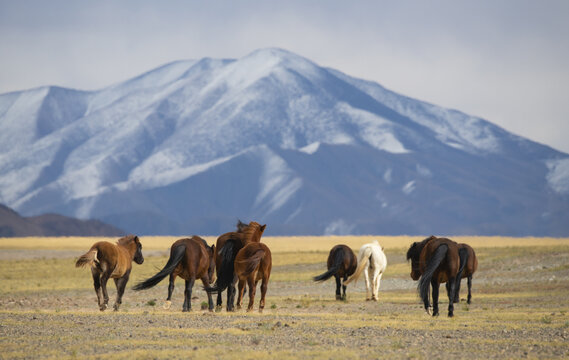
[(193, 145)]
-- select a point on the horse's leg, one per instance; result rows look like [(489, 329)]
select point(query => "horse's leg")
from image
[(252, 288), (231, 295), (121, 285), (97, 285), (344, 287), (240, 290), (104, 279), (469, 288), (451, 297), (188, 295), (264, 285), (218, 302), (457, 290), (171, 287), (366, 277), (338, 286), (375, 284), (435, 286), (205, 281)]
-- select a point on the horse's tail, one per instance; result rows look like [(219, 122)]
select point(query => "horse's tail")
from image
[(463, 255), (363, 262), (252, 262), (432, 265), (336, 264), (226, 271), (176, 256), (89, 258)]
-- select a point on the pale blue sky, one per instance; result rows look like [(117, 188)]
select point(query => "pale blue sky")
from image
[(505, 61)]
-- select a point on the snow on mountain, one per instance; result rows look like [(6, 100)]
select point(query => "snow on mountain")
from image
[(194, 144)]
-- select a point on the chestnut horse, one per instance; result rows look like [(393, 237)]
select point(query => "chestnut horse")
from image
[(253, 263), (469, 264), (341, 263), (108, 260), (190, 259), (228, 245), (435, 261)]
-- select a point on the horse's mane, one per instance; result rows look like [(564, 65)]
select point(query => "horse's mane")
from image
[(126, 239), (415, 249)]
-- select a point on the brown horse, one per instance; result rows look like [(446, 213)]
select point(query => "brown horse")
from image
[(253, 263), (469, 268), (435, 261), (341, 263), (227, 247), (108, 260), (190, 259)]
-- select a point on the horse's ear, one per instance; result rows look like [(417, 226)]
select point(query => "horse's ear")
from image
[(263, 227), (136, 239), (213, 248)]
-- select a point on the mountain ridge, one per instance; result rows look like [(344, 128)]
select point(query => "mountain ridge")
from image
[(265, 122)]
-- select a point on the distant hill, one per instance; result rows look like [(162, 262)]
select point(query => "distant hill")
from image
[(14, 225)]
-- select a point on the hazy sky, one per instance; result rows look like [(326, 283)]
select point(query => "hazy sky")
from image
[(505, 61)]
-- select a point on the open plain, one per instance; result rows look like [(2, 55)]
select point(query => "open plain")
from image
[(520, 306)]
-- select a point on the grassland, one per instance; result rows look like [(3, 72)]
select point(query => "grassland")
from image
[(519, 309)]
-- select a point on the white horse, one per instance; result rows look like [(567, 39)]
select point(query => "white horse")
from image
[(371, 259)]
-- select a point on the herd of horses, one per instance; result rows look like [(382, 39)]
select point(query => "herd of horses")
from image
[(240, 258)]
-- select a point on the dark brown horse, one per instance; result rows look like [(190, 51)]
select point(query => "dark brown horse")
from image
[(435, 261), (341, 263), (108, 260), (468, 264), (228, 245), (190, 259), (253, 263)]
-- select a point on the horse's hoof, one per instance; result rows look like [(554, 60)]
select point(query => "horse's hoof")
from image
[(103, 307), (167, 304)]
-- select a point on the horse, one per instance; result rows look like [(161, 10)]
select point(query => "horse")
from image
[(469, 268), (341, 263), (227, 247), (371, 258), (253, 263), (435, 261), (114, 261), (190, 259)]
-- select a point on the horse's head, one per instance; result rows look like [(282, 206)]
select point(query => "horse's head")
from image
[(413, 254), (254, 231), (138, 258), (211, 267)]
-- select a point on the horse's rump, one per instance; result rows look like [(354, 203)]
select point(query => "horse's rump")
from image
[(177, 254), (363, 261), (249, 258), (336, 263)]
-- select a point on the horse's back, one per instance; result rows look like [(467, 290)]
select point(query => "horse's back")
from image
[(451, 264)]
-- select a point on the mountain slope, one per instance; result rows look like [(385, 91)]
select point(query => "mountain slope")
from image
[(192, 145)]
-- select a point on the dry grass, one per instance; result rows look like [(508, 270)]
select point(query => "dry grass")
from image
[(520, 307)]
